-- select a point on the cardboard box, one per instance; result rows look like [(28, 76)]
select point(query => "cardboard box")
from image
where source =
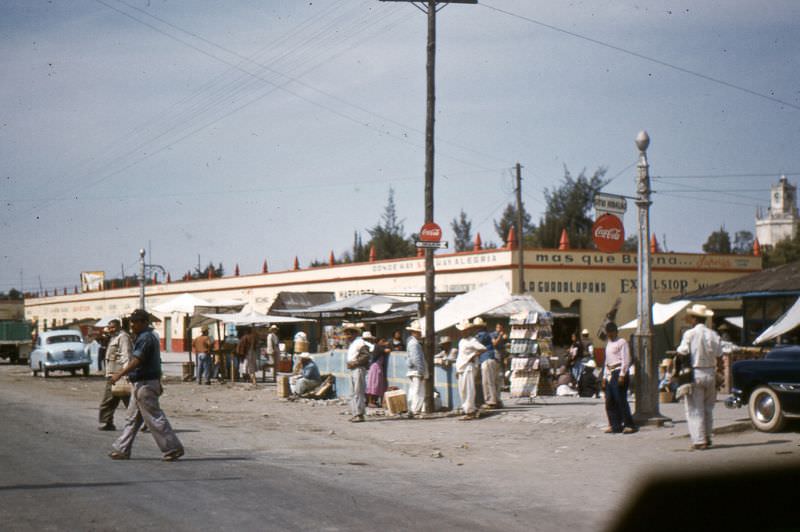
[(283, 385), (666, 397), (394, 401)]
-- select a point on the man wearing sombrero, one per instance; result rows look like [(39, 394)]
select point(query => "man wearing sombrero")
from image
[(469, 348), (704, 348)]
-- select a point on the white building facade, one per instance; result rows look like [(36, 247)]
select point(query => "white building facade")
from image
[(781, 219)]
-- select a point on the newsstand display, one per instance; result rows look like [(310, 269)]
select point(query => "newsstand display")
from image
[(530, 347)]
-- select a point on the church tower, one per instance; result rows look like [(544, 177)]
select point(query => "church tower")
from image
[(782, 220)]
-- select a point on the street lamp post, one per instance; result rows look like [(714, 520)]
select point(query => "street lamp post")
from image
[(142, 275), (646, 372), (141, 278)]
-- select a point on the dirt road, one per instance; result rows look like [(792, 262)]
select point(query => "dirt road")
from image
[(527, 467)]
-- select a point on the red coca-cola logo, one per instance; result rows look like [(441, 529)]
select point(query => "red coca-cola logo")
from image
[(430, 232), (608, 233)]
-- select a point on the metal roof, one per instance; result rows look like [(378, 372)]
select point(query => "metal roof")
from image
[(778, 281)]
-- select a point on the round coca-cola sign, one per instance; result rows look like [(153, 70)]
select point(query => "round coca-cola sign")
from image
[(430, 232), (608, 233)]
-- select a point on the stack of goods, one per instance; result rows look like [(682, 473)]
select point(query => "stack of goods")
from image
[(531, 345)]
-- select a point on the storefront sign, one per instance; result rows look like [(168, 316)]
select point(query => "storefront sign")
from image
[(608, 233), (609, 203)]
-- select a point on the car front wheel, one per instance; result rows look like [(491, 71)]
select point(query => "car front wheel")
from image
[(85, 371), (765, 410)]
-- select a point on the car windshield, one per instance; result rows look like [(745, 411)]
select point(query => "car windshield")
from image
[(63, 339)]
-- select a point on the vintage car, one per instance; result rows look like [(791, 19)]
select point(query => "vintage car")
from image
[(61, 350), (770, 387)]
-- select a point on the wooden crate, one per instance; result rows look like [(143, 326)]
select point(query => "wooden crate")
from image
[(394, 401)]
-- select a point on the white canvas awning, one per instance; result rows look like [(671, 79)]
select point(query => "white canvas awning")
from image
[(254, 318), (184, 303), (662, 313), (786, 323), (736, 321), (474, 303)]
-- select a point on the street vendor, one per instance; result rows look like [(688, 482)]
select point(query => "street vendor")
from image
[(306, 377), (469, 349)]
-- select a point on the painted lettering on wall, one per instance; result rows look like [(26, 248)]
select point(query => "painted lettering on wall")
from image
[(659, 285), (567, 287)]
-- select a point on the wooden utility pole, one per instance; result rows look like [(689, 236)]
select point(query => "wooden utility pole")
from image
[(430, 285), (520, 236)]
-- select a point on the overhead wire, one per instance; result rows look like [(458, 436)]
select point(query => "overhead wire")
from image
[(644, 57)]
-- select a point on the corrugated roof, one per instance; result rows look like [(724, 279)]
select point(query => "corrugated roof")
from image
[(780, 280), (300, 300)]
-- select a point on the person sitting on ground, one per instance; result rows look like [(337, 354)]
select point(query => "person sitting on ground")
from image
[(307, 378)]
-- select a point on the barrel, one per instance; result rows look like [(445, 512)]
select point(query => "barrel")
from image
[(187, 371), (283, 386)]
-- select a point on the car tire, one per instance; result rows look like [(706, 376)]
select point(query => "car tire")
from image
[(34, 372), (85, 371), (766, 412), (72, 372), (45, 371)]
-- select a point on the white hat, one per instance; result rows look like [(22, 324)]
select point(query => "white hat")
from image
[(466, 324), (367, 335), (305, 356), (415, 326), (700, 311), (445, 340), (585, 332)]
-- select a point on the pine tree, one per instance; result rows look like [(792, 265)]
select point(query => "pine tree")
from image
[(462, 232), (388, 236)]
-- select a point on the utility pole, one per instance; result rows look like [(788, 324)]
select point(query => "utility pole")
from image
[(430, 287), (520, 239), (647, 373)]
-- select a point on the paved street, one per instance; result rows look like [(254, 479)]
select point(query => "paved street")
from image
[(255, 462)]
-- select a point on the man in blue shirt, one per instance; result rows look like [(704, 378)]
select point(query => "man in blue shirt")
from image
[(144, 372), (309, 377), (489, 369)]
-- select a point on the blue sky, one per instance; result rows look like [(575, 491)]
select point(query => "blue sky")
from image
[(248, 130)]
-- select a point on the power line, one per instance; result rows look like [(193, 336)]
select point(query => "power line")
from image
[(725, 176), (644, 57)]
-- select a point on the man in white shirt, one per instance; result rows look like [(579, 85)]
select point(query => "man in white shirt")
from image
[(618, 361), (469, 349), (704, 347), (417, 371), (358, 372)]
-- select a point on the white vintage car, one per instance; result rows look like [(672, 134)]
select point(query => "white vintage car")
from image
[(61, 350)]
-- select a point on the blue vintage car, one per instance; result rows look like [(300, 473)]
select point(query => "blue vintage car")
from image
[(770, 387), (61, 350)]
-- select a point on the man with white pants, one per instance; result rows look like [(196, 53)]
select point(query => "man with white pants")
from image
[(417, 371), (469, 348), (358, 370), (704, 348)]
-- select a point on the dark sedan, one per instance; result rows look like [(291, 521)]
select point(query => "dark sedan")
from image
[(770, 387)]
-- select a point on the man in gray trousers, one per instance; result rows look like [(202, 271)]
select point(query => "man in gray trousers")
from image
[(144, 371)]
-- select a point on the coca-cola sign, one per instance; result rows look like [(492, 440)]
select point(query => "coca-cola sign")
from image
[(608, 233), (430, 232)]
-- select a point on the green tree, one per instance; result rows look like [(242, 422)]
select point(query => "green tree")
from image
[(743, 243), (462, 232), (218, 271), (568, 208), (509, 218), (718, 242), (388, 236), (784, 252), (631, 243)]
